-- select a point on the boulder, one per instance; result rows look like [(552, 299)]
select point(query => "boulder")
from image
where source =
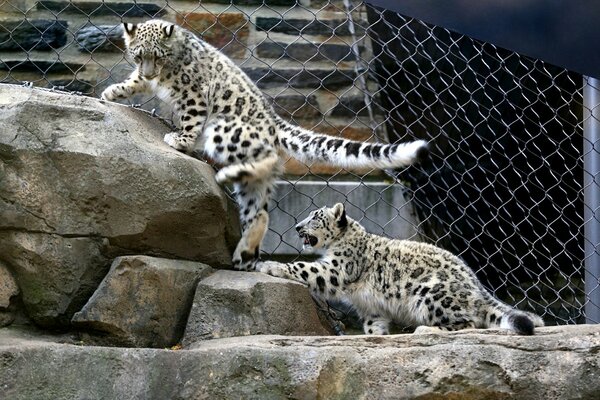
[(143, 301), (82, 182), (232, 303), (556, 363)]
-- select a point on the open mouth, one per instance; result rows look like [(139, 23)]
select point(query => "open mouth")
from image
[(308, 240)]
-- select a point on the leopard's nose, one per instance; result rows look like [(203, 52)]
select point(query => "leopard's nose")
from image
[(298, 228)]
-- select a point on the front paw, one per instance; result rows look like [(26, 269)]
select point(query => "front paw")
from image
[(221, 177), (110, 93), (174, 140), (267, 267)]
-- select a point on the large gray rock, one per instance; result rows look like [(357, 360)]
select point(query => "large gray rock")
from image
[(143, 301), (81, 182), (556, 363), (232, 303)]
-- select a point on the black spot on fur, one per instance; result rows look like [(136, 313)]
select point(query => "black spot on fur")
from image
[(376, 151), (424, 292), (217, 139), (439, 312), (417, 272), (227, 94), (226, 109), (314, 270), (321, 283), (236, 135), (334, 281), (352, 148), (304, 275)]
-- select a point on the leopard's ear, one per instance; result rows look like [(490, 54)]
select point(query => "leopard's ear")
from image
[(129, 29), (168, 30), (339, 212)]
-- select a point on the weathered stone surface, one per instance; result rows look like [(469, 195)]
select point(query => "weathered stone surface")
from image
[(143, 301), (301, 78), (98, 8), (56, 273), (100, 37), (297, 26), (556, 363), (226, 31), (296, 106), (32, 34), (85, 181), (305, 51), (8, 286), (232, 303)]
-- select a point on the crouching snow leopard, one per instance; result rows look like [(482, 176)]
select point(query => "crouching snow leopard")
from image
[(218, 104), (395, 280)]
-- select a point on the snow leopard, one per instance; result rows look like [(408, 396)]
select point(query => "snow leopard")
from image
[(413, 283), (221, 109)]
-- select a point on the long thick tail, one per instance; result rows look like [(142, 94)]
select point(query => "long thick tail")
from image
[(521, 322), (308, 146)]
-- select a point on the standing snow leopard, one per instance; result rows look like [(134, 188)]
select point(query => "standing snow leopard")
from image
[(386, 280), (218, 104)]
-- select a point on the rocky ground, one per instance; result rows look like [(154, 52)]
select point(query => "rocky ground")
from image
[(557, 363)]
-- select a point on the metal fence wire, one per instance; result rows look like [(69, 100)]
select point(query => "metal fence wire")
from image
[(504, 188)]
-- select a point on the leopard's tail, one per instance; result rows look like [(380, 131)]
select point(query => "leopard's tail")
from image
[(308, 146), (502, 316)]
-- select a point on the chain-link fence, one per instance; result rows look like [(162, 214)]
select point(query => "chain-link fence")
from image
[(504, 188)]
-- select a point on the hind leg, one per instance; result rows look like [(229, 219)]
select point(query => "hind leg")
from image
[(253, 198), (247, 251)]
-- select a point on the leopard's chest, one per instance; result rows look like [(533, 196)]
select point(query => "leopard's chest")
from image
[(163, 92)]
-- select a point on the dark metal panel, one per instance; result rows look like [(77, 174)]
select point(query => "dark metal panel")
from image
[(564, 33)]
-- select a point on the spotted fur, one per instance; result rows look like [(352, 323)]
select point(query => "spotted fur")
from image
[(221, 107), (416, 284)]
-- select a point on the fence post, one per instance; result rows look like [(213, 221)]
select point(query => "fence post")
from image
[(591, 196)]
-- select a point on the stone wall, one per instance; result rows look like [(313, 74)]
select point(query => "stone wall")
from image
[(299, 53)]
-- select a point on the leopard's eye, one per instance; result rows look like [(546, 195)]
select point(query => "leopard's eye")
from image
[(137, 59), (160, 61)]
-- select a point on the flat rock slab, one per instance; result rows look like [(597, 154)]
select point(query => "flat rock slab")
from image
[(233, 303), (556, 363), (143, 301)]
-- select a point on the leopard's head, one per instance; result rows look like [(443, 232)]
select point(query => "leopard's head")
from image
[(323, 226), (150, 45)]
